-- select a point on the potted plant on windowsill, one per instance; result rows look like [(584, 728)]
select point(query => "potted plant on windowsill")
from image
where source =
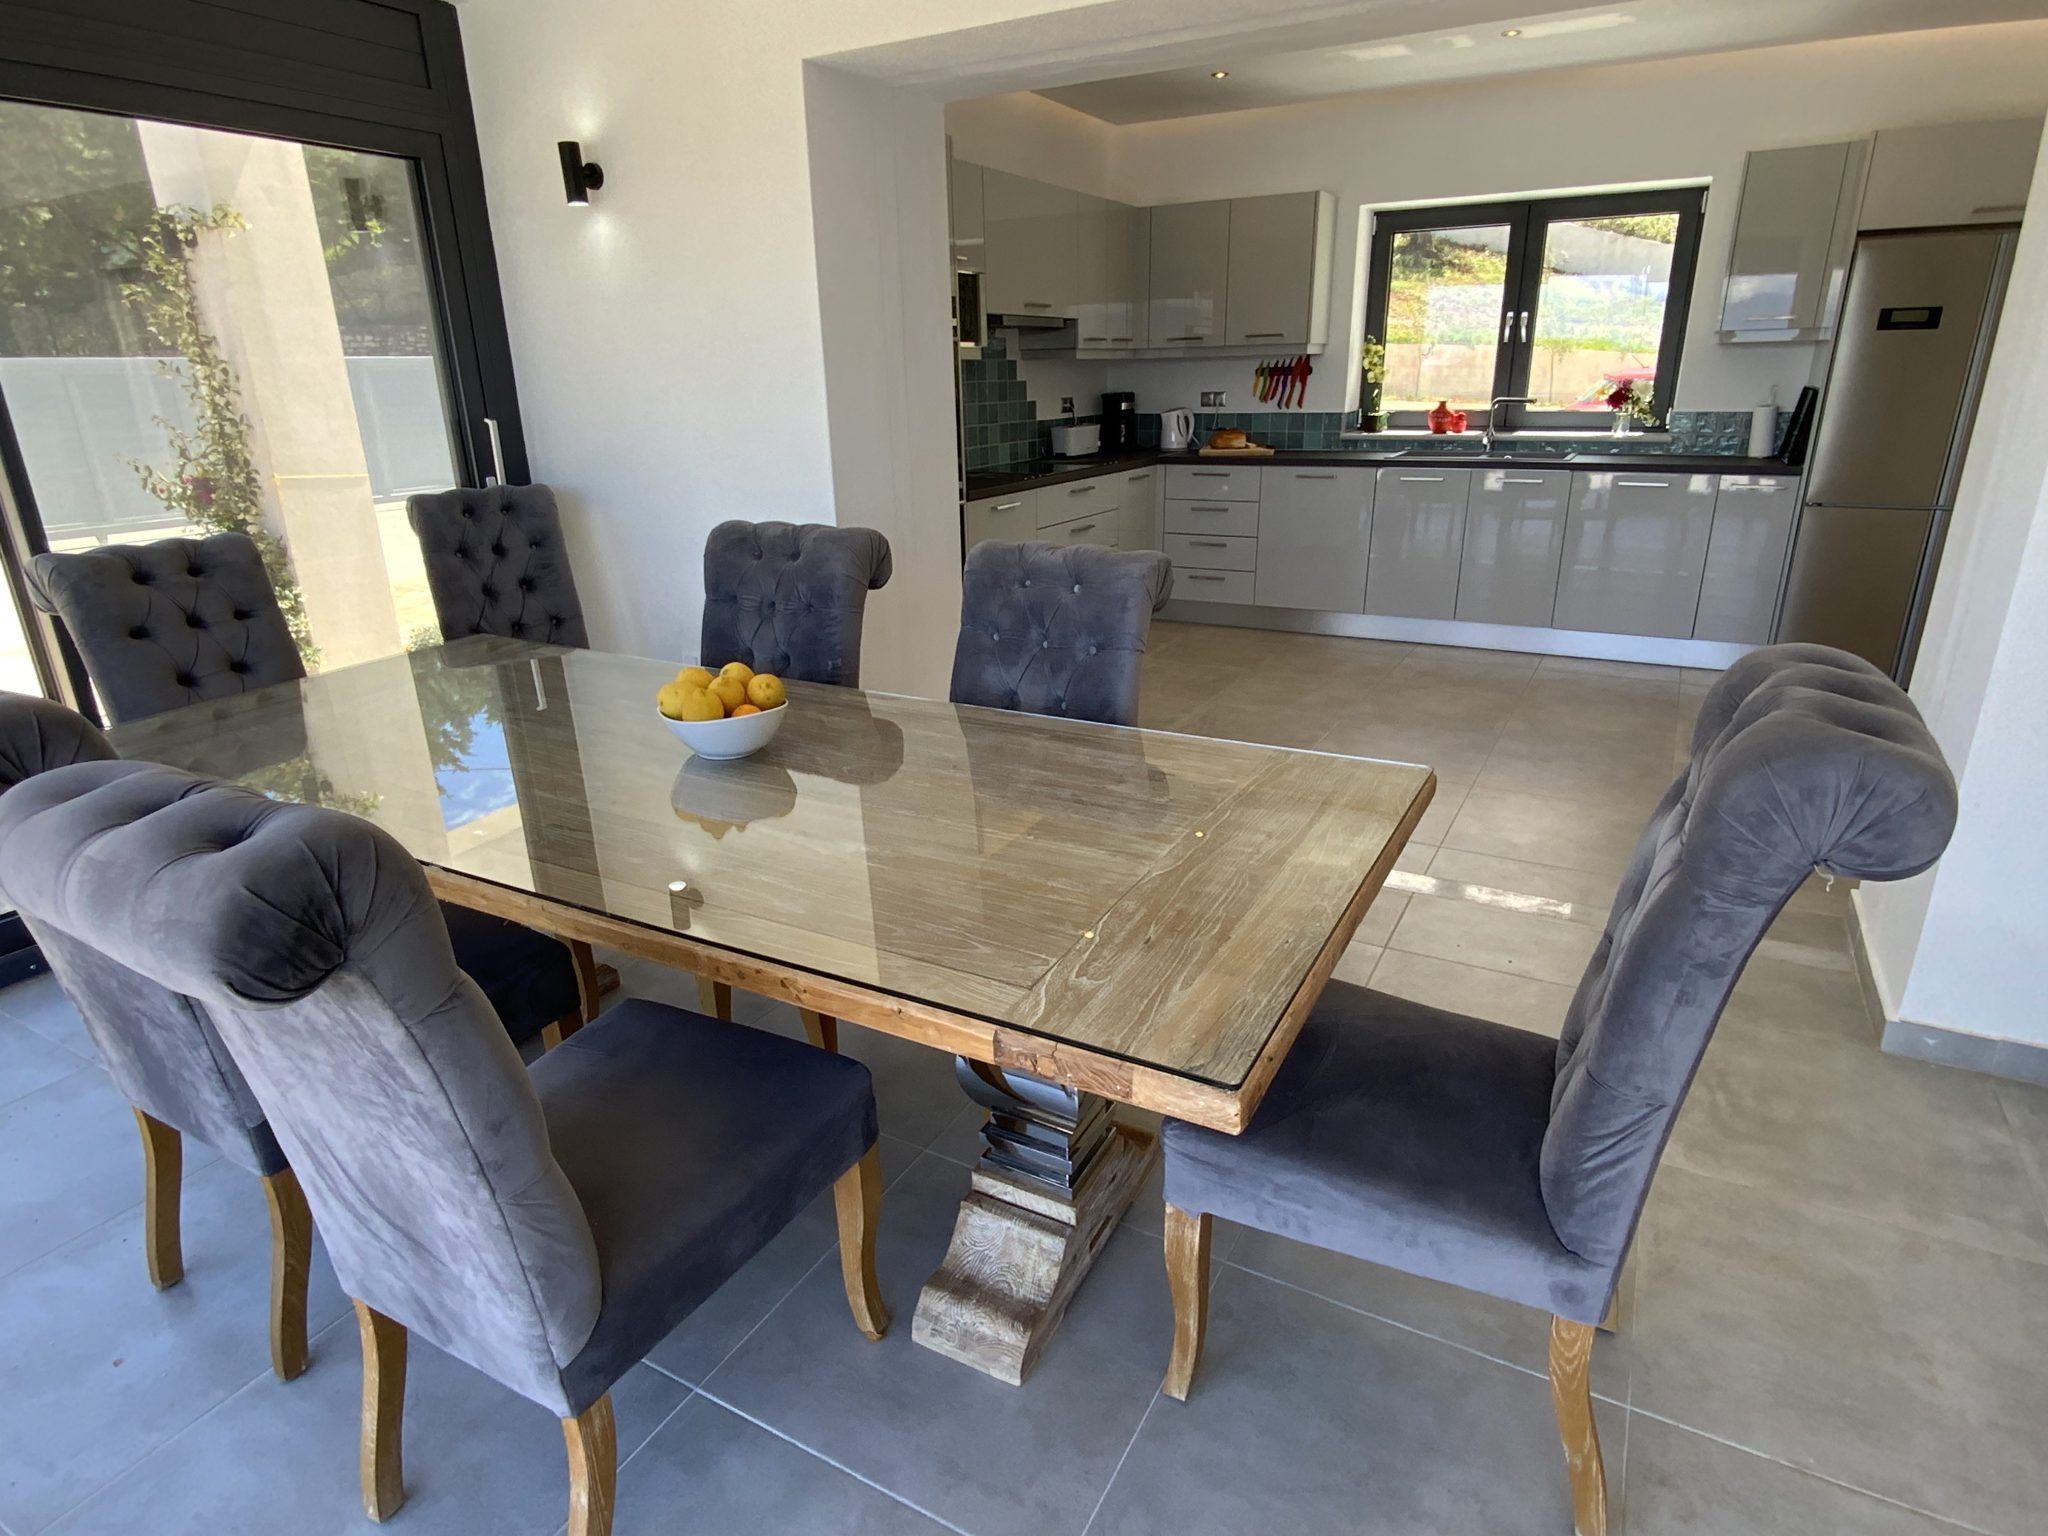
[(1372, 362), (1630, 402)]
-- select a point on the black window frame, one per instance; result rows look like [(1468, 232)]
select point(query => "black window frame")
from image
[(1525, 219)]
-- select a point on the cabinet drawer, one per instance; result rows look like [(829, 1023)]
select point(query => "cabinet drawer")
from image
[(1064, 503), (1214, 586), (1012, 518), (1090, 528), (1205, 554), (1211, 517), (1213, 482), (1634, 547), (1746, 557)]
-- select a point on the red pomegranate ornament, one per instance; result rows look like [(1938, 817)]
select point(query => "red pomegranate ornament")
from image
[(1442, 417)]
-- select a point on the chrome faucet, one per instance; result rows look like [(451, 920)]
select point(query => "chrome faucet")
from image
[(1493, 416)]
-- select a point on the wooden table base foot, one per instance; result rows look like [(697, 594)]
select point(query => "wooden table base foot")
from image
[(1018, 1255)]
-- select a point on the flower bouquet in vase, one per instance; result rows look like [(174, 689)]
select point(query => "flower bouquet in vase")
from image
[(1630, 402)]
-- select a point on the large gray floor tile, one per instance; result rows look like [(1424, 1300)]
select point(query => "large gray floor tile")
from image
[(1876, 1357), (1780, 996), (1522, 1002), (42, 1006), (28, 1061), (479, 1460), (1542, 829), (102, 1368), (69, 1159), (709, 1472), (1683, 1484), (1318, 1421), (2026, 1112), (1846, 1126), (1495, 938), (993, 1459), (1571, 895)]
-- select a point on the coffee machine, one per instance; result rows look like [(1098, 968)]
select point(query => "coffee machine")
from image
[(1119, 422)]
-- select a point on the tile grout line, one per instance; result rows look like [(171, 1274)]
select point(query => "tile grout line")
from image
[(865, 1481), (1117, 1471), (2036, 1175)]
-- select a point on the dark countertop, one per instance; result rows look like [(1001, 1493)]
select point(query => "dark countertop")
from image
[(986, 483)]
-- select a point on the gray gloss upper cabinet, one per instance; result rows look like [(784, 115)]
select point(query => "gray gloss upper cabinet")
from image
[(1190, 273), (1950, 173), (1312, 538), (1418, 537), (1031, 232), (964, 208), (1746, 557), (1514, 539), (1792, 237), (1091, 268), (1635, 547), (1280, 269), (1129, 264)]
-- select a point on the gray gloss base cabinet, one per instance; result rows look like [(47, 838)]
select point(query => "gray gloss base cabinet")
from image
[(1141, 506), (1313, 529), (1418, 542), (1514, 540), (1746, 557), (1635, 549)]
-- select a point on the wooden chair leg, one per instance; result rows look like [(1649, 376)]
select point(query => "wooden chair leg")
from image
[(593, 1441), (383, 1428), (552, 1035), (291, 1258), (163, 1168), (1571, 1393), (822, 1029), (714, 998), (589, 987), (857, 1201), (1187, 1275)]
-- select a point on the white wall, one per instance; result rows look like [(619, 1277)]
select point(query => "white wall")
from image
[(1962, 948), (1687, 120)]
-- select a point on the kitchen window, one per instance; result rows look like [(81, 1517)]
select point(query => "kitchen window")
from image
[(1561, 299)]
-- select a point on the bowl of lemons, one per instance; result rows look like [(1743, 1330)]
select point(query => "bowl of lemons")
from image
[(733, 712)]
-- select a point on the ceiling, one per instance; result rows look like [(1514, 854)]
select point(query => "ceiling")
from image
[(1386, 56)]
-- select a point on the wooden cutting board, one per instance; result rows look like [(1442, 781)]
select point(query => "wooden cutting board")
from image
[(1253, 452)]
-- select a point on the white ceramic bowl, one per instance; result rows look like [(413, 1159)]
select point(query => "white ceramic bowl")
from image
[(734, 736)]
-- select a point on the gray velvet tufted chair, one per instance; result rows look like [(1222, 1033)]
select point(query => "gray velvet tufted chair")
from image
[(1057, 629), (496, 564), (162, 1053), (172, 623), (790, 598), (547, 1228), (1517, 1166)]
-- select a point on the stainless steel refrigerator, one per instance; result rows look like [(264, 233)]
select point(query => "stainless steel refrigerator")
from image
[(1895, 418)]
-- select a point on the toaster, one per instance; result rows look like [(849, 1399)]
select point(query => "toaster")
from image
[(1071, 441)]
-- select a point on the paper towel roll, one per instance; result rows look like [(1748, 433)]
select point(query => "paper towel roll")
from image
[(1763, 431)]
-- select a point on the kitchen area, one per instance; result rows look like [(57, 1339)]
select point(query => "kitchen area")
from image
[(1167, 376)]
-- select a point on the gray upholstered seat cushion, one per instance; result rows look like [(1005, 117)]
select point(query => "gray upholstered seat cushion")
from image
[(1803, 757), (790, 598), (1402, 1135), (1057, 629), (171, 623), (496, 564), (691, 1144)]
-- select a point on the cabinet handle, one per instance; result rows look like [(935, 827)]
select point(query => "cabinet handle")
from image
[(1008, 506), (1521, 479), (1264, 335), (1036, 304), (1210, 474), (1207, 544), (1420, 479), (1648, 485), (1198, 576), (1134, 479), (1198, 336), (1775, 317), (1314, 477), (1120, 338), (1084, 528), (2000, 208), (1082, 490), (1087, 339)]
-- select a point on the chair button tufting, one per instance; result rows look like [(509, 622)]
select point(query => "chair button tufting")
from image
[(1077, 586), (238, 666), (1045, 645), (193, 570), (498, 550), (187, 680), (139, 632), (1091, 650), (194, 621), (526, 583), (142, 578), (467, 513), (491, 593), (243, 614), (1025, 582)]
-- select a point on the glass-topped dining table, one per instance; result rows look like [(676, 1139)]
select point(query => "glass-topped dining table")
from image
[(1082, 914)]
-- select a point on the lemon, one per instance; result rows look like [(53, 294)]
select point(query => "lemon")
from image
[(746, 709), (728, 690), (694, 675), (738, 669), (670, 700), (765, 691), (700, 704)]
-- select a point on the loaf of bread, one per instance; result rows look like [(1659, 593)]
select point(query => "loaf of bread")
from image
[(1228, 437)]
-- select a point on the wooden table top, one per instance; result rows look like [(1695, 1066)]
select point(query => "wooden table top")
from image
[(1134, 913)]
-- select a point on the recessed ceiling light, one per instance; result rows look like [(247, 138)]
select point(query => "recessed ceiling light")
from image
[(1219, 74), (1511, 32)]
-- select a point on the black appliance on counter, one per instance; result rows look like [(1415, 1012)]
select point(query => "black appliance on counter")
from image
[(1119, 422)]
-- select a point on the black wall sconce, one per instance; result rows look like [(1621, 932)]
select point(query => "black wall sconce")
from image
[(580, 177)]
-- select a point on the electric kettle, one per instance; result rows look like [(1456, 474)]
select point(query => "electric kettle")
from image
[(1176, 430)]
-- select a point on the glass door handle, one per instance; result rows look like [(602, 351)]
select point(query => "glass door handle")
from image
[(1525, 327), (1507, 325), (497, 453)]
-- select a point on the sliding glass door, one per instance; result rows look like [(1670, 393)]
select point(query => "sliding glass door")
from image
[(204, 331)]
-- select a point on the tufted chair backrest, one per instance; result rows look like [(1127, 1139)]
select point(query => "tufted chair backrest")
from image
[(1803, 757), (311, 939), (790, 598), (496, 564), (160, 1050), (171, 623), (1057, 629)]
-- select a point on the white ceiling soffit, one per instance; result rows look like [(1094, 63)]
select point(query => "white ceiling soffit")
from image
[(1129, 61)]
